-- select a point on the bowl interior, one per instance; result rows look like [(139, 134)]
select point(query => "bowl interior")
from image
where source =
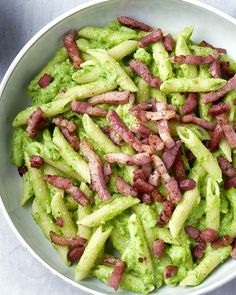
[(171, 16)]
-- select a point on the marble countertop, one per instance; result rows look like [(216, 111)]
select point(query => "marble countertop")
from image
[(21, 274)]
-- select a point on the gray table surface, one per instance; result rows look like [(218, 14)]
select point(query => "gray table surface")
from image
[(19, 272)]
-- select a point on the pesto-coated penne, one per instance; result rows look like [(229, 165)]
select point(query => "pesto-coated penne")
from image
[(161, 58)]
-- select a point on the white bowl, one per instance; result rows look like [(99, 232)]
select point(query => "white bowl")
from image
[(171, 15)]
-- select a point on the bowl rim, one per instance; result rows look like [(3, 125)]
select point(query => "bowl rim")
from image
[(3, 84)]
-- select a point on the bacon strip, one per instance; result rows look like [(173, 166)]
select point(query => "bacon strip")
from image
[(215, 137), (83, 107), (22, 170), (169, 155), (190, 103), (213, 96), (36, 122), (140, 129), (222, 119), (222, 242), (160, 115), (155, 36), (45, 80), (143, 187), (158, 248), (170, 271), (36, 162), (107, 172), (113, 97), (143, 71), (59, 221), (96, 171), (215, 69), (178, 167), (219, 108), (114, 137), (195, 59), (146, 199), (164, 132), (226, 167), (191, 118), (120, 128), (116, 275), (69, 130), (209, 235), (199, 250), (230, 135), (66, 184), (129, 160), (75, 253), (61, 240), (187, 184), (193, 232), (230, 182), (158, 197), (124, 188), (72, 49), (206, 44), (133, 24), (154, 178), (169, 43), (139, 173), (165, 214)]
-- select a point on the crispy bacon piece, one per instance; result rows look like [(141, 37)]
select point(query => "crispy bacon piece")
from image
[(75, 253), (195, 59), (45, 80), (230, 135), (215, 137), (146, 199), (191, 118), (143, 71), (226, 70), (154, 144), (124, 188), (69, 130), (36, 161), (59, 221), (155, 36), (199, 250), (137, 110), (154, 178), (206, 44), (96, 171), (170, 271), (213, 96), (61, 240), (219, 108), (60, 182), (22, 170), (209, 235), (222, 119), (178, 167), (165, 214), (147, 169), (222, 242), (230, 182), (72, 49), (169, 43), (67, 185), (139, 174), (226, 167), (161, 168), (215, 69), (116, 275), (142, 186), (169, 155), (113, 97), (158, 248), (107, 172), (186, 184), (159, 115), (190, 103), (120, 128), (133, 23), (172, 190), (36, 121), (114, 137), (129, 160), (83, 107), (158, 197), (164, 132), (142, 130), (193, 232)]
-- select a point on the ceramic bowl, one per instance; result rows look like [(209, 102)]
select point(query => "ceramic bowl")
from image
[(171, 15)]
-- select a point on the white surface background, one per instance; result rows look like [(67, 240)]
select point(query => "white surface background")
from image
[(20, 274)]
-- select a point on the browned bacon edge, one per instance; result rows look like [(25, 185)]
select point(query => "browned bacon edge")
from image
[(151, 38), (133, 24), (72, 49), (45, 80)]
